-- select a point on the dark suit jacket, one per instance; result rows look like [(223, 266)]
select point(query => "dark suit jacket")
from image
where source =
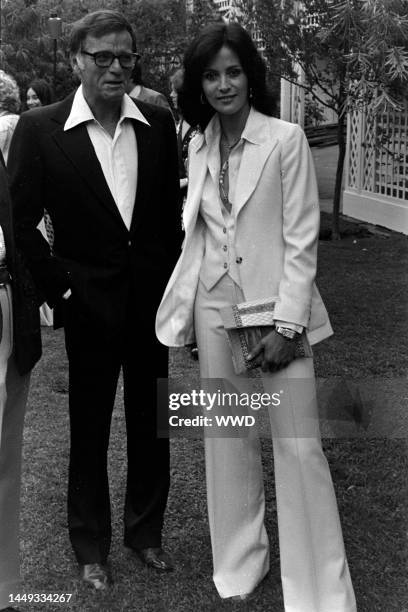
[(26, 318), (94, 253)]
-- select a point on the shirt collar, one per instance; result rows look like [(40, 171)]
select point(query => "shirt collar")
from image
[(251, 131), (81, 113)]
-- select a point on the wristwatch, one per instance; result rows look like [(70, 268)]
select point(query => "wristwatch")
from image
[(286, 332)]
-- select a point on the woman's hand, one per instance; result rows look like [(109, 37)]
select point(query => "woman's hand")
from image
[(273, 352)]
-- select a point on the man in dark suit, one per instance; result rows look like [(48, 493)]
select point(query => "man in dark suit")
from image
[(105, 169), (20, 349)]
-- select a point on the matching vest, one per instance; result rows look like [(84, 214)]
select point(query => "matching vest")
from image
[(220, 256)]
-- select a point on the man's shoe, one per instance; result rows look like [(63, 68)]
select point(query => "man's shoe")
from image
[(156, 558), (243, 597), (96, 575)]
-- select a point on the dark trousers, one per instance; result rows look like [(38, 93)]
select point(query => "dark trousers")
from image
[(95, 358)]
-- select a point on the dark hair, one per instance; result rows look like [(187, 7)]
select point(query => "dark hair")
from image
[(201, 52), (136, 75), (177, 78), (98, 24), (43, 91)]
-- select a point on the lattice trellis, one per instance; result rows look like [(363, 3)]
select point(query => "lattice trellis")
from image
[(368, 154), (378, 153), (354, 144)]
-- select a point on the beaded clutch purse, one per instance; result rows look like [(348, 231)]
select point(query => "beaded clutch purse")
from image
[(246, 324)]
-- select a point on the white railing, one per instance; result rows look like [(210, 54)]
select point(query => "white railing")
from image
[(377, 168), (378, 153), (311, 21)]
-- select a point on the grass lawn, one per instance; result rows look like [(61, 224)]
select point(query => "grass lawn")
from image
[(363, 282)]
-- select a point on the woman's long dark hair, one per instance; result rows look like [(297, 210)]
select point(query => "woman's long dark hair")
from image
[(43, 91), (200, 54)]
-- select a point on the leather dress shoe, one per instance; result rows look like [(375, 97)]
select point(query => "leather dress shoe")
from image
[(243, 597), (9, 609), (95, 575), (156, 558)]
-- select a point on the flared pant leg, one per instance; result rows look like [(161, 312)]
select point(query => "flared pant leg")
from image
[(314, 569), (235, 492), (315, 576)]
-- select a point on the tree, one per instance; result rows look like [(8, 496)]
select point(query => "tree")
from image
[(27, 51), (163, 30), (350, 51), (203, 14)]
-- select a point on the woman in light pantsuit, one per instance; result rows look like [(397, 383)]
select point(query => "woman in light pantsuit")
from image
[(251, 220)]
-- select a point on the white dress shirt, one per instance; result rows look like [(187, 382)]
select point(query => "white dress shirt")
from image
[(2, 248), (117, 155)]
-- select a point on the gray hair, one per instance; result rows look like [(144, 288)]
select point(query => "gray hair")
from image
[(9, 93)]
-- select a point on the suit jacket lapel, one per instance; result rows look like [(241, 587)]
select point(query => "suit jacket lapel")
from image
[(197, 172), (259, 144), (77, 147), (146, 154)]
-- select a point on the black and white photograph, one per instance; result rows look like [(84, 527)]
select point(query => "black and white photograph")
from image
[(203, 305)]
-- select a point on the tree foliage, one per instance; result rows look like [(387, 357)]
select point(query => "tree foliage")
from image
[(350, 52), (362, 45), (163, 30), (375, 35)]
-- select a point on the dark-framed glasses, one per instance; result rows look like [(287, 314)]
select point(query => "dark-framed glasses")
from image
[(104, 59)]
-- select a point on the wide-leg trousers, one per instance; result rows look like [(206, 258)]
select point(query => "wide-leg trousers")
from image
[(314, 570), (13, 399)]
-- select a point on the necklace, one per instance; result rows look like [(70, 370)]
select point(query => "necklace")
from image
[(225, 144), (225, 151)]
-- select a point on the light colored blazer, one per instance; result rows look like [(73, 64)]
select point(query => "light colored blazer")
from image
[(277, 228)]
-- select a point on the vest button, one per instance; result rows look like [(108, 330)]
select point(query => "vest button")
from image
[(225, 248), (225, 265), (224, 229), (238, 260)]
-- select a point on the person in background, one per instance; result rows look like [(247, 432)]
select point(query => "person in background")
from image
[(20, 349), (251, 234), (39, 93), (140, 92), (185, 132), (9, 111), (105, 168)]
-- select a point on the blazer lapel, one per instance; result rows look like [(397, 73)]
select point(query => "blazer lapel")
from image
[(77, 147), (258, 145), (197, 172), (146, 154), (253, 161)]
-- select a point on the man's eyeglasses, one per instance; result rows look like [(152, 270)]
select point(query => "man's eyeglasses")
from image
[(104, 59)]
